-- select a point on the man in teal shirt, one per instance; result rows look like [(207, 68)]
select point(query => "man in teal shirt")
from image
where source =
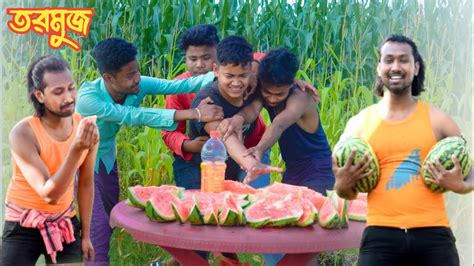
[(114, 99)]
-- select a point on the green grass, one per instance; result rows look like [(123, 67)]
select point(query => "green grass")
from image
[(335, 41)]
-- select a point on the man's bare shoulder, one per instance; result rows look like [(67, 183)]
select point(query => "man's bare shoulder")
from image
[(443, 124), (22, 133), (355, 124)]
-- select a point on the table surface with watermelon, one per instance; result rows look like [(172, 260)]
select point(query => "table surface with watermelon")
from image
[(277, 219)]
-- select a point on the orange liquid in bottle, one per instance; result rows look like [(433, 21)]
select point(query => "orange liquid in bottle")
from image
[(212, 176)]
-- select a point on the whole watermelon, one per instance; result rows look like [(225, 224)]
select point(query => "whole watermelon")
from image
[(443, 150), (342, 151)]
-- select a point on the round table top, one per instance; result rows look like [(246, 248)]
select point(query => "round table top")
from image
[(236, 239)]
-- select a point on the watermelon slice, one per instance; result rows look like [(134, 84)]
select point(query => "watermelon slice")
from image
[(340, 205), (158, 207), (286, 211), (309, 213), (274, 210), (231, 213), (357, 210), (186, 209), (138, 195), (298, 191), (238, 187), (328, 215), (207, 208)]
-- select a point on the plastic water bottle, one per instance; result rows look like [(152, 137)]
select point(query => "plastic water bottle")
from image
[(213, 156)]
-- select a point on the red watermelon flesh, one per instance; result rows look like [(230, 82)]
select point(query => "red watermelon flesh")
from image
[(316, 198), (299, 191), (274, 210), (357, 210), (328, 216), (309, 213), (281, 188), (339, 204), (238, 187), (231, 213), (158, 207), (138, 195), (207, 207), (186, 208)]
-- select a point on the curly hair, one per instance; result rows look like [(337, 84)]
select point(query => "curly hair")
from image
[(204, 34), (418, 82), (278, 67), (35, 75), (113, 53), (234, 50)]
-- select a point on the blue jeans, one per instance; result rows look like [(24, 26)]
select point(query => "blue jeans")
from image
[(187, 174)]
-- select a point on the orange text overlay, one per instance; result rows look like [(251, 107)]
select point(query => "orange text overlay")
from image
[(54, 22)]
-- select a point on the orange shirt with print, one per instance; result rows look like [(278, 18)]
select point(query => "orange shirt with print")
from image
[(401, 199)]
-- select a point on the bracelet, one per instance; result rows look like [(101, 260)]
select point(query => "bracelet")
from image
[(199, 114)]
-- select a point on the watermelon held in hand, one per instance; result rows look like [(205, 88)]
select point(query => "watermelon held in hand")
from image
[(443, 151), (342, 151)]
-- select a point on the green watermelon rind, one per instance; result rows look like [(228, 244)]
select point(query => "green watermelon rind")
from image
[(195, 216), (134, 200), (177, 215), (155, 215), (342, 151), (229, 219), (284, 221), (443, 150), (357, 217)]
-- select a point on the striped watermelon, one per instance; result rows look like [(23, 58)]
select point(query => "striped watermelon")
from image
[(342, 151), (444, 150)]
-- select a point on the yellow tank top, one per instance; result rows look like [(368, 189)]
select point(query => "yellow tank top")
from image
[(52, 153), (401, 199)]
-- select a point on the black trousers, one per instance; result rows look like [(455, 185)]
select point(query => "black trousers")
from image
[(23, 246), (418, 246)]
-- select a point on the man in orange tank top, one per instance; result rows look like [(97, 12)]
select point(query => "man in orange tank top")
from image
[(49, 150), (407, 222)]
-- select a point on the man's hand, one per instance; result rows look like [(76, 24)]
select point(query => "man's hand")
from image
[(452, 180), (305, 86), (209, 112), (194, 145), (254, 152), (229, 126), (87, 134), (87, 249), (348, 175), (259, 169)]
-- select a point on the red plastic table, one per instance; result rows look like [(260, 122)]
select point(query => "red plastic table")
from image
[(300, 245)]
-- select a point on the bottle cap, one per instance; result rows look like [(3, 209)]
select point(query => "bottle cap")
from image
[(214, 134)]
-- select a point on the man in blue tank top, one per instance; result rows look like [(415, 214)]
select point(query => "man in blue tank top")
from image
[(295, 124)]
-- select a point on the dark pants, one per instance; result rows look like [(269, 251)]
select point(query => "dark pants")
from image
[(23, 246), (429, 246), (106, 195)]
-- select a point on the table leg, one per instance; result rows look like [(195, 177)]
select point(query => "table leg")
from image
[(300, 259), (186, 257)]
